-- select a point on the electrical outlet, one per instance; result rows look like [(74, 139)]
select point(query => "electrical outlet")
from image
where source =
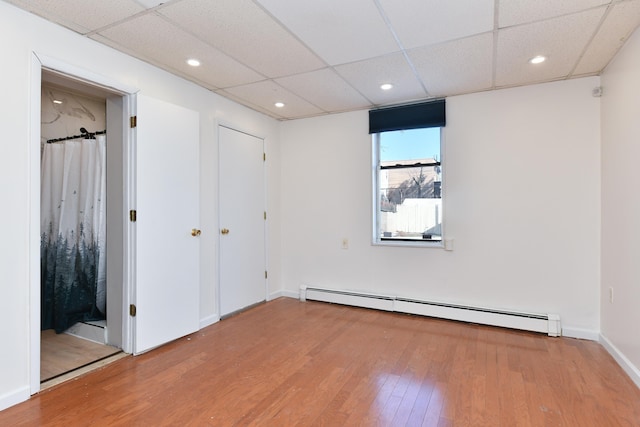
[(611, 295), (345, 243)]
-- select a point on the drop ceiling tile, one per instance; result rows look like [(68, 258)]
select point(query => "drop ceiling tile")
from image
[(514, 12), (84, 16), (155, 40), (338, 31), (424, 22), (266, 93), (621, 21), (561, 40), (578, 36), (325, 89), (232, 97), (148, 4), (367, 76), (244, 31), (456, 67)]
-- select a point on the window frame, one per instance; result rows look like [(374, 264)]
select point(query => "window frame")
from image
[(377, 240)]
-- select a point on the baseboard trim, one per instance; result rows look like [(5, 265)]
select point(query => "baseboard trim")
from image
[(583, 334), (209, 320), (14, 397), (284, 293), (618, 356), (88, 332)]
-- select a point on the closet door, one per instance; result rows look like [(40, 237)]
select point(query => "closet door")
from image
[(242, 220), (167, 204)]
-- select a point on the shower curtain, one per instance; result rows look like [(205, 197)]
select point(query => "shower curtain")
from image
[(72, 231)]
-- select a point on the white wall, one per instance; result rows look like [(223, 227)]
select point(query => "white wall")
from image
[(23, 34), (621, 206), (522, 200)]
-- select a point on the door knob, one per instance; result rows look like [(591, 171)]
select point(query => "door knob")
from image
[(225, 231), (195, 232)]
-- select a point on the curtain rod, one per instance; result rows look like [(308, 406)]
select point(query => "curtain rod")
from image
[(85, 134)]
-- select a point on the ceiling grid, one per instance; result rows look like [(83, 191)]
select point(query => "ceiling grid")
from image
[(332, 56)]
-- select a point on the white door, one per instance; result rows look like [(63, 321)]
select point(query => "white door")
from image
[(242, 220), (167, 204)]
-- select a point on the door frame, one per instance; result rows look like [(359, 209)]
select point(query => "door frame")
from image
[(218, 124), (127, 94)]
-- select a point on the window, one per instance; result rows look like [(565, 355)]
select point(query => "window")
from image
[(407, 180)]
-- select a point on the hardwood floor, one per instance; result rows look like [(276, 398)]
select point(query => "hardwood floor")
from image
[(61, 353), (288, 363)]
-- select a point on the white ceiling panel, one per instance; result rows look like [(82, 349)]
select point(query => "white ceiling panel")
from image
[(425, 22), (245, 32), (154, 39), (223, 93), (456, 67), (322, 56), (367, 76), (84, 16), (266, 93), (41, 10), (622, 19), (325, 89), (338, 31), (514, 12), (148, 4), (561, 40)]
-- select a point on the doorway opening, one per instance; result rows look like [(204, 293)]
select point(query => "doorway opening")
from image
[(82, 200)]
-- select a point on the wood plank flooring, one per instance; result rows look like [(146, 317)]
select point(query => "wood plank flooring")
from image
[(291, 363), (61, 353)]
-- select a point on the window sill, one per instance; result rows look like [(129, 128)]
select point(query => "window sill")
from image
[(410, 243)]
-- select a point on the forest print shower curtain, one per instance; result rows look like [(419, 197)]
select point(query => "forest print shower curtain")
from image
[(72, 231)]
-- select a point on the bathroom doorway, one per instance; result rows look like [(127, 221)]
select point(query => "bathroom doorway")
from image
[(81, 193)]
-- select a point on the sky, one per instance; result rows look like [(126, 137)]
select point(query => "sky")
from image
[(410, 144)]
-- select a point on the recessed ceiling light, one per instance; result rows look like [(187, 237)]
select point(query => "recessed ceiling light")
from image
[(55, 101), (537, 59), (193, 62), (279, 104), (386, 86)]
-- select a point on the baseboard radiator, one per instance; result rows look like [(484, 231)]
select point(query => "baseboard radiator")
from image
[(545, 323)]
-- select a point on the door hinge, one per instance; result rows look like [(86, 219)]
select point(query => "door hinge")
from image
[(265, 274), (264, 157), (133, 121), (132, 310), (265, 215), (133, 215)]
